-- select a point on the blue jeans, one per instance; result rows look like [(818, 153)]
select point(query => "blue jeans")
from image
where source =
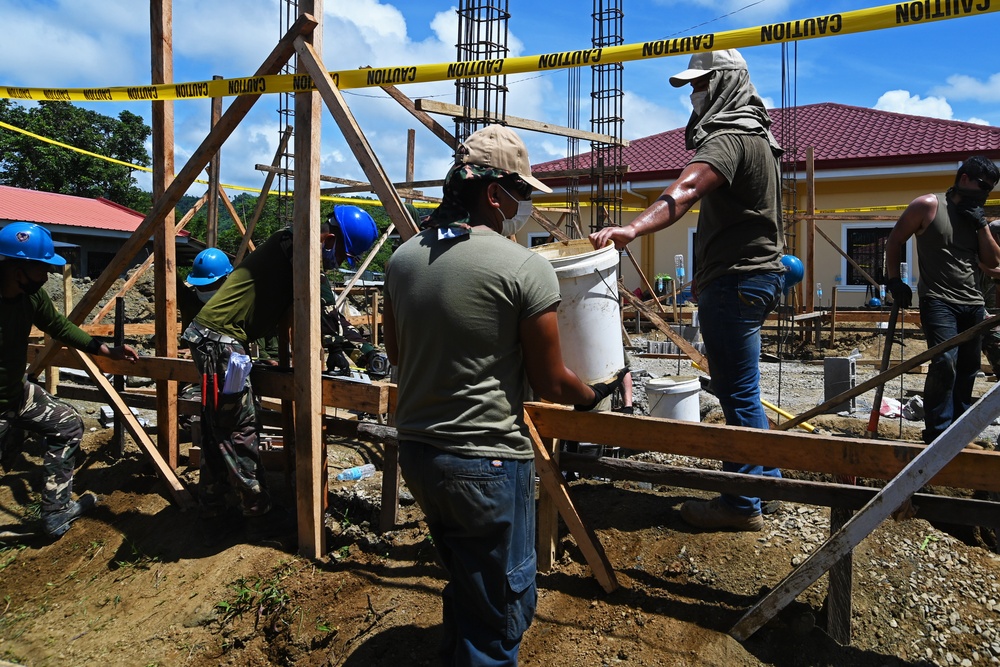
[(731, 310), (948, 387), (481, 515)]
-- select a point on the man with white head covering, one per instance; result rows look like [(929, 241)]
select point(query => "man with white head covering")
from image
[(739, 277)]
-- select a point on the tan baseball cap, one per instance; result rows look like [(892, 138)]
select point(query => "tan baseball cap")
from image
[(706, 63), (499, 147)]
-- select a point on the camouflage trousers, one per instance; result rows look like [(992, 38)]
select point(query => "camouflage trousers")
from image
[(230, 447), (61, 427)]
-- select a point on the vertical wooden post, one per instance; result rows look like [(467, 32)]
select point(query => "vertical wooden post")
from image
[(548, 516), (810, 282), (164, 248), (411, 143), (118, 382), (212, 224), (310, 452)]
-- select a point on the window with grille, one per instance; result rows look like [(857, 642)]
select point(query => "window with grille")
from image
[(866, 246)]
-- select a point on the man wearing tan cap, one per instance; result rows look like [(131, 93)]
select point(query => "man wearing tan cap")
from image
[(739, 276), (470, 322)]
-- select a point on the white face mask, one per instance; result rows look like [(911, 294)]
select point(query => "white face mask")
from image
[(699, 100), (511, 226), (205, 296)]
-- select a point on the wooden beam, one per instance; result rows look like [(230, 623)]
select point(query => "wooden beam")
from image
[(310, 454), (908, 481), (682, 344), (439, 131), (180, 494), (236, 218), (878, 459), (810, 259), (164, 237), (457, 111), (238, 110), (265, 190), (362, 150), (214, 165), (894, 372), (555, 485)]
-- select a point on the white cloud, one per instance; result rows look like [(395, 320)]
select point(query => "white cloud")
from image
[(644, 117), (964, 87), (901, 101)]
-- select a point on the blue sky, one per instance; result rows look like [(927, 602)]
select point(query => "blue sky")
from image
[(944, 69)]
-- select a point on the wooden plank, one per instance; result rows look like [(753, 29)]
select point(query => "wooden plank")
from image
[(960, 511), (555, 484), (362, 150), (310, 454), (164, 243), (897, 492), (236, 218), (548, 515), (214, 166), (439, 131), (236, 112), (878, 459), (457, 111), (180, 494), (895, 372), (682, 344), (265, 190)]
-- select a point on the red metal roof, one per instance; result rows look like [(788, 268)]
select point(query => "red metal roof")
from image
[(47, 208), (842, 136)]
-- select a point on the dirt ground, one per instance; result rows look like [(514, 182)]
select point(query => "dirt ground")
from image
[(134, 583)]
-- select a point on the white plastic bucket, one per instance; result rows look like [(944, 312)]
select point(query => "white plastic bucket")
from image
[(674, 398), (589, 318)]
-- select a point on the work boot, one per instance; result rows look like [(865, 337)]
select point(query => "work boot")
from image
[(57, 523), (714, 514)]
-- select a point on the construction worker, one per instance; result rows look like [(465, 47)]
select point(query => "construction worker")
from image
[(470, 320), (249, 305), (26, 254), (953, 244), (735, 175), (208, 272)]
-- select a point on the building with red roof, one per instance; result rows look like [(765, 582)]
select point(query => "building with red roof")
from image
[(87, 231), (876, 161)]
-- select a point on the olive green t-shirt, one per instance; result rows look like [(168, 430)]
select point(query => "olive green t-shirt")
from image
[(948, 256), (256, 294), (17, 316), (458, 305), (739, 226)]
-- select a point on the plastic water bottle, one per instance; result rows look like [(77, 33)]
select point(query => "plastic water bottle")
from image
[(357, 472), (904, 273), (881, 292), (819, 293), (679, 265)]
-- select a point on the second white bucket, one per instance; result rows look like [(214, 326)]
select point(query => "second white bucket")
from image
[(674, 398), (589, 319)]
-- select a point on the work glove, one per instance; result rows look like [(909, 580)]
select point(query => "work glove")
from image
[(974, 214), (602, 390), (902, 295)]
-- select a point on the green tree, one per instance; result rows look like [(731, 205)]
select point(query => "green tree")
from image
[(26, 162)]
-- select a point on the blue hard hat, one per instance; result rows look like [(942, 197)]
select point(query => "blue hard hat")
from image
[(210, 265), (793, 270), (359, 230), (26, 240), (874, 302)]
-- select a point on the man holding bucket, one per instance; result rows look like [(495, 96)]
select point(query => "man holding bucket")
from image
[(739, 275), (470, 323)]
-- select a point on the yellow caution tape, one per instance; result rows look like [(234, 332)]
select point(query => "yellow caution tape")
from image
[(826, 25)]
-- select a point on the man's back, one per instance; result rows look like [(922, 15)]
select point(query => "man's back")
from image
[(460, 303)]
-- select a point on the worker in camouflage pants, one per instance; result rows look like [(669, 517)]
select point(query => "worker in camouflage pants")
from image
[(988, 284), (26, 254), (62, 428), (231, 448)]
